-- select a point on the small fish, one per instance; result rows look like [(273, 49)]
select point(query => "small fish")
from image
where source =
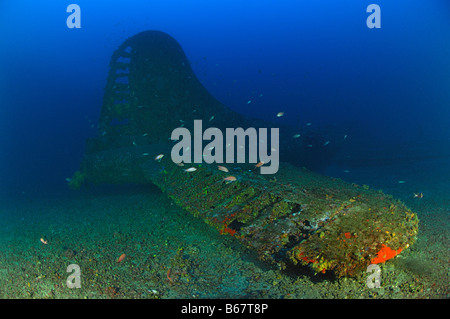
[(280, 114), (43, 241), (121, 257), (249, 102), (145, 154), (326, 143), (308, 124), (296, 136), (222, 168), (346, 171), (420, 195), (180, 164), (259, 164), (345, 136), (211, 118), (190, 169), (401, 182), (229, 179), (159, 157)]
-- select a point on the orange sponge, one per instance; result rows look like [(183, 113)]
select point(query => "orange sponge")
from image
[(384, 254)]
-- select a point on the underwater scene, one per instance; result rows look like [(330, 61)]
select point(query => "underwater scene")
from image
[(185, 150)]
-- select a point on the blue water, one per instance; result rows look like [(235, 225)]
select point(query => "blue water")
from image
[(316, 61)]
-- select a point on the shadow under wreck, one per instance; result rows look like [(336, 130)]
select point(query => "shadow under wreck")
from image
[(294, 216)]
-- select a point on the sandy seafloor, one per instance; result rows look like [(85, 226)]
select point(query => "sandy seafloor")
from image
[(171, 254)]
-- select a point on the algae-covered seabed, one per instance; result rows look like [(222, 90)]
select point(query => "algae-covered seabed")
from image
[(171, 254)]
